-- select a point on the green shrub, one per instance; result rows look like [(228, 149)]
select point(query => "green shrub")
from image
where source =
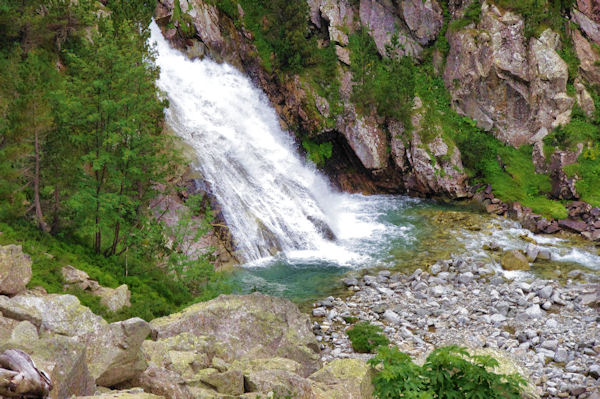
[(317, 153), (281, 33), (182, 21), (385, 84), (449, 372), (366, 337), (471, 16)]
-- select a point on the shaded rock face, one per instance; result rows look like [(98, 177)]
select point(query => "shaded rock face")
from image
[(15, 269), (249, 326), (588, 57), (563, 186), (587, 15), (515, 88), (366, 138)]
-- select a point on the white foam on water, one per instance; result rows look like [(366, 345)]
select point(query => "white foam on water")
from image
[(272, 200)]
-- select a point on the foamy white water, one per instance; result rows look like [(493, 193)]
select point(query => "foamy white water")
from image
[(277, 207), (271, 199)]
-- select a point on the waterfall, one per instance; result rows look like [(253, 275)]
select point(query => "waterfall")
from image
[(271, 199)]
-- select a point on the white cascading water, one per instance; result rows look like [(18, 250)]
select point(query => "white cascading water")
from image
[(272, 201)]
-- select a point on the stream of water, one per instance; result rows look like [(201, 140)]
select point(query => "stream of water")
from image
[(282, 212)]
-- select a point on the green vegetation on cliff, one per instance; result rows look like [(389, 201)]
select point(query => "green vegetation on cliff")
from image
[(486, 159), (383, 84)]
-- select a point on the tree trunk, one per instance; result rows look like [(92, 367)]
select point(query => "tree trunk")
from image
[(113, 249), (36, 187), (55, 217), (20, 378)]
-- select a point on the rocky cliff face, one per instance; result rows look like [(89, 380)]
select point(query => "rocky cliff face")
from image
[(509, 85)]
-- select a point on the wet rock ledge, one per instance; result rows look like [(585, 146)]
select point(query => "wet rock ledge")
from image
[(551, 331)]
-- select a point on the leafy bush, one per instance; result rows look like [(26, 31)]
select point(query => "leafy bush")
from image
[(366, 337), (449, 372), (385, 84), (317, 153), (471, 16), (281, 33)]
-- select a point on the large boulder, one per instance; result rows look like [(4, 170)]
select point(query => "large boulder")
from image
[(163, 382), (248, 326), (55, 314), (15, 269), (114, 299), (113, 350), (277, 375), (114, 354), (510, 86), (63, 359)]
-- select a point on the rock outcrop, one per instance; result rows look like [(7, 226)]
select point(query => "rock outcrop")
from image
[(515, 88), (111, 351), (361, 139), (247, 326), (587, 16), (430, 166), (382, 21), (114, 299), (15, 269), (244, 346)]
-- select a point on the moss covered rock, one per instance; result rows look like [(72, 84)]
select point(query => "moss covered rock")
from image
[(277, 375), (15, 269), (514, 260), (343, 379), (63, 358), (248, 326)]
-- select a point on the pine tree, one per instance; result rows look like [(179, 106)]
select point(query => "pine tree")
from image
[(115, 115)]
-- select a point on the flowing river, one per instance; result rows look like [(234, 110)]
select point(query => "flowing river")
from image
[(295, 234)]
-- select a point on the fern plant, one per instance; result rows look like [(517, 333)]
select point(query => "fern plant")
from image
[(366, 337), (448, 373)]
